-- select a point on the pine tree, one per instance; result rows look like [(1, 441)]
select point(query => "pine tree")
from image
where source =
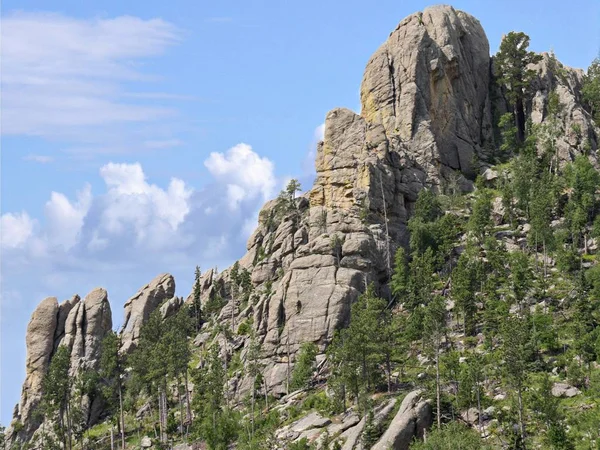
[(112, 370), (516, 353), (305, 365), (434, 330), (480, 220), (354, 352), (214, 423), (466, 281), (56, 397), (591, 89), (196, 303), (400, 283), (512, 61)]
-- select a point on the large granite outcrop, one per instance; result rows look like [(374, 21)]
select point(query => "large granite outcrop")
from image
[(78, 325), (139, 307), (40, 343), (429, 85), (429, 102), (573, 130)]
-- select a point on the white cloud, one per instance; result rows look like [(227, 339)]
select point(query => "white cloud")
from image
[(132, 203), (134, 222), (245, 172), (65, 219), (60, 74), (15, 229), (42, 159), (319, 133), (309, 162)]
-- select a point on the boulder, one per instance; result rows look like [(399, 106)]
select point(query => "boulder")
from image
[(146, 442), (564, 390), (411, 420), (313, 420), (170, 307)]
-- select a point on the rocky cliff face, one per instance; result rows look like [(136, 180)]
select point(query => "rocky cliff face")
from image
[(429, 102), (428, 85), (574, 128), (139, 307), (79, 325)]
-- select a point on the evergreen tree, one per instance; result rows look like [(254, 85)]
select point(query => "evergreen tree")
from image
[(521, 276), (149, 368), (511, 62), (466, 280), (112, 370), (400, 282), (177, 357), (590, 90), (433, 334), (516, 353), (354, 351), (214, 422), (56, 397), (480, 220), (304, 367), (453, 436), (196, 303), (546, 406)]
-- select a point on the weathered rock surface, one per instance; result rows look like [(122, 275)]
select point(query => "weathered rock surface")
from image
[(428, 85), (411, 420), (40, 343), (564, 390), (139, 307), (78, 325), (575, 132), (427, 98)]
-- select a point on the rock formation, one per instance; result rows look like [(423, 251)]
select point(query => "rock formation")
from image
[(40, 343), (411, 420), (78, 325), (139, 307), (429, 100), (428, 85), (429, 105)]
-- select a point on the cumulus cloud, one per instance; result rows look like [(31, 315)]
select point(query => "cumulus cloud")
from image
[(15, 229), (309, 162), (133, 218), (245, 173), (61, 74), (65, 219), (131, 203), (319, 133)]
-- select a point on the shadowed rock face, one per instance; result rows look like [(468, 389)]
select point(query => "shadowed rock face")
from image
[(139, 307)]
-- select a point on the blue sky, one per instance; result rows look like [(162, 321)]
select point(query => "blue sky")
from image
[(142, 137)]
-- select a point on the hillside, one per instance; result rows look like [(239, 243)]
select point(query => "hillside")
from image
[(437, 286)]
